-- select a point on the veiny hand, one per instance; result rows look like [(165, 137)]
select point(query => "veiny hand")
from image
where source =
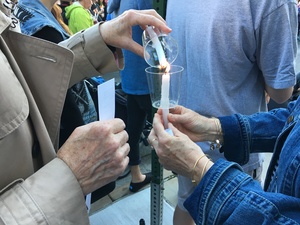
[(96, 153), (196, 127), (177, 153), (118, 32)]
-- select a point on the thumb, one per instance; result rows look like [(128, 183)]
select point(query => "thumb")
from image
[(174, 118)]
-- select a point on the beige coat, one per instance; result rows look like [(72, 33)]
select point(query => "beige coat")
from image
[(34, 77)]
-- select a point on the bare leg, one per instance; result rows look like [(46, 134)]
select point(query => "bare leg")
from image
[(182, 217), (136, 175), (138, 180)]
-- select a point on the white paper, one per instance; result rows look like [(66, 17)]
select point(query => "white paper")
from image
[(106, 106), (88, 198), (106, 100)]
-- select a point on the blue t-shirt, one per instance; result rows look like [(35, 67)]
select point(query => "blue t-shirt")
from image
[(134, 80)]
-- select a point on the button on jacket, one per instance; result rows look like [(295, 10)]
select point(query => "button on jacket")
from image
[(226, 195)]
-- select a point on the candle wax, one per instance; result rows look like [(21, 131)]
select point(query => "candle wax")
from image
[(164, 102)]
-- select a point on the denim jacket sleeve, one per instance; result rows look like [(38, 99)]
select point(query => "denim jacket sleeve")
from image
[(226, 195), (255, 133)]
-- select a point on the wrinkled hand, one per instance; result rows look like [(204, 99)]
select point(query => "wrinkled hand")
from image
[(177, 153), (196, 127), (118, 32), (96, 153)]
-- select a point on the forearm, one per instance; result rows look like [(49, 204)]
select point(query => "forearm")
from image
[(52, 194), (226, 194), (279, 95), (92, 55)]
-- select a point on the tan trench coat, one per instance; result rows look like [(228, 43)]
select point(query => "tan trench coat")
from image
[(36, 187)]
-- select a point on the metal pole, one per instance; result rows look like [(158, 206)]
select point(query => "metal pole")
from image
[(156, 191), (160, 6), (157, 170)]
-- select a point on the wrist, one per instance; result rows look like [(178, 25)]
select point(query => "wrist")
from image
[(201, 166), (216, 134)]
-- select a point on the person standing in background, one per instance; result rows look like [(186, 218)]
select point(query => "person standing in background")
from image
[(97, 11), (57, 12), (79, 16), (63, 5), (233, 52), (135, 85), (105, 5)]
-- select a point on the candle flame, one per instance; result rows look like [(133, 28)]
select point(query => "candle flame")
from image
[(165, 66)]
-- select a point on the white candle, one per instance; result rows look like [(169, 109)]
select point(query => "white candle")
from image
[(157, 45), (165, 87), (164, 102)]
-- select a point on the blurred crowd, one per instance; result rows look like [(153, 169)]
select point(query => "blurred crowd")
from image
[(97, 9)]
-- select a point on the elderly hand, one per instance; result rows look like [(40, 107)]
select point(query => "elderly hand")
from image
[(178, 153), (118, 32), (196, 127), (96, 153)]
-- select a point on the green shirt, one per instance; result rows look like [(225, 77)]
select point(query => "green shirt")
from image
[(79, 18)]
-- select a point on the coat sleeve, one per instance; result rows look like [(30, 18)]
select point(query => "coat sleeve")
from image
[(226, 195), (92, 56), (27, 202), (244, 134)]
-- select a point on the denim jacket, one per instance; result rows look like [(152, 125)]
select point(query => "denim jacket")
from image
[(226, 195), (33, 16)]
